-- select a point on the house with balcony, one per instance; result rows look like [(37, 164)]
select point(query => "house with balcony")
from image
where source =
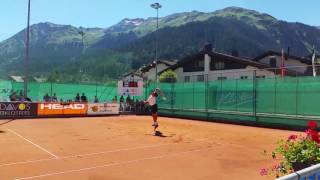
[(211, 65)]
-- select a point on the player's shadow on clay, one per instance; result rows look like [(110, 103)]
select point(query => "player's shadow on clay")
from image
[(159, 134)]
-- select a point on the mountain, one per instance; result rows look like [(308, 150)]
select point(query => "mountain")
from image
[(50, 44), (106, 53), (249, 32)]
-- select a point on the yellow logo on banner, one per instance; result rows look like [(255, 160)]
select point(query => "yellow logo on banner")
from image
[(22, 107), (95, 108)]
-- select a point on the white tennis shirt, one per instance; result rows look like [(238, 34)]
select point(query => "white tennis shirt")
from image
[(152, 100)]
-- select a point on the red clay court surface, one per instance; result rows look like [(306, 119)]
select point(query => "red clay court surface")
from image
[(123, 148)]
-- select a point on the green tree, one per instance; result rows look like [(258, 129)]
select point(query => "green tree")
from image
[(168, 76)]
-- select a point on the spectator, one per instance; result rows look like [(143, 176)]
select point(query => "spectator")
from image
[(96, 100), (54, 98), (46, 98), (77, 99), (128, 103), (115, 99), (13, 96), (84, 98), (121, 103), (21, 96)]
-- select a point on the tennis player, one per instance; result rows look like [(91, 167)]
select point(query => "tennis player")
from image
[(152, 101)]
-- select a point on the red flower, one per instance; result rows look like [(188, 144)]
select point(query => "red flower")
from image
[(312, 124), (292, 137), (263, 172), (313, 134)]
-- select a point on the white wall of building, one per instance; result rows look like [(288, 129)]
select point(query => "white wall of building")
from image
[(247, 73), (289, 63)]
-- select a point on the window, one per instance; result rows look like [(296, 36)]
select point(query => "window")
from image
[(200, 78), (273, 62), (187, 79), (222, 78), (244, 77), (200, 64), (219, 65), (194, 66), (261, 77)]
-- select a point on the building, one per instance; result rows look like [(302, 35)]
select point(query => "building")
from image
[(148, 72), (211, 65), (303, 65), (19, 79)]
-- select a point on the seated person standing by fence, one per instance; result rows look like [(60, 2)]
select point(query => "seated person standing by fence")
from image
[(128, 103), (54, 98), (77, 99), (84, 98), (46, 98), (121, 103), (115, 99), (21, 96), (13, 96), (95, 100)]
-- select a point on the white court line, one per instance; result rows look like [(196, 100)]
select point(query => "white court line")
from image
[(84, 155), (43, 149), (111, 164)]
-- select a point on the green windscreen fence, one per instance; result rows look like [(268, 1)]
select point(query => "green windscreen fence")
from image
[(289, 97), (278, 99), (36, 91)]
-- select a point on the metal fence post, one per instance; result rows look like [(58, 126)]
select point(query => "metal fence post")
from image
[(254, 81), (193, 94), (237, 105), (172, 96), (297, 97), (96, 89), (220, 92), (206, 95), (51, 88), (275, 93)]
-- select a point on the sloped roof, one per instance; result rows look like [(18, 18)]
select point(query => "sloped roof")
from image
[(305, 60), (17, 78), (200, 55), (151, 65)]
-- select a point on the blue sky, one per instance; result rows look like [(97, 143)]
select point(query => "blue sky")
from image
[(104, 13)]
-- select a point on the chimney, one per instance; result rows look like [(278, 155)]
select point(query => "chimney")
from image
[(208, 47)]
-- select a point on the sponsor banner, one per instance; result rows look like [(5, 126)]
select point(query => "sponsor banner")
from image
[(62, 109), (103, 109), (17, 109)]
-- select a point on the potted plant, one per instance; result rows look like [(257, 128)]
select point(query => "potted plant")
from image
[(295, 153)]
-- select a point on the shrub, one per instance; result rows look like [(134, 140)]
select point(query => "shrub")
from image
[(295, 153)]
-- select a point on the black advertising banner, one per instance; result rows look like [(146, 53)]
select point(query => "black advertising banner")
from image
[(17, 109)]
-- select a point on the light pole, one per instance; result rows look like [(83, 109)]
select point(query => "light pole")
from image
[(82, 36), (156, 6), (27, 55)]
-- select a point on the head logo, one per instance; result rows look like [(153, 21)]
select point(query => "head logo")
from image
[(61, 107)]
